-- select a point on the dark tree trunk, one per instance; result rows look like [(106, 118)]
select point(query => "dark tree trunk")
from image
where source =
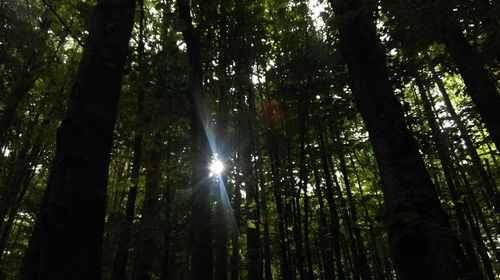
[(25, 78), (252, 221), (493, 194), (325, 240), (277, 191), (334, 216), (165, 272), (303, 102), (22, 163), (20, 180), (221, 224), (447, 165), (201, 229), (419, 231), (479, 85), (360, 255), (145, 252), (67, 241), (121, 257)]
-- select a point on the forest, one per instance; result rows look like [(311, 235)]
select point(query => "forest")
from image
[(249, 139)]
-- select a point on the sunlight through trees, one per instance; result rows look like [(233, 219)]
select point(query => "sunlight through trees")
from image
[(249, 139)]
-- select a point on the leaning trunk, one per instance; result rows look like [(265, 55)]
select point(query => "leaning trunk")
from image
[(419, 230)]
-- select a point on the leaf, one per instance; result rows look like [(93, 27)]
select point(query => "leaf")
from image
[(251, 224)]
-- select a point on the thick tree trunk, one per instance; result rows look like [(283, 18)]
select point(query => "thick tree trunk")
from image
[(67, 241), (421, 238)]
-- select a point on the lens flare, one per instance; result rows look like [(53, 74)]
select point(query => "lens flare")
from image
[(216, 167)]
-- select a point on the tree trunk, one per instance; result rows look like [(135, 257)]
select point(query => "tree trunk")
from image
[(325, 240), (277, 190), (121, 257), (479, 85), (469, 144), (67, 242), (26, 77), (221, 225), (421, 239), (201, 229), (334, 216), (447, 165), (145, 252), (361, 261)]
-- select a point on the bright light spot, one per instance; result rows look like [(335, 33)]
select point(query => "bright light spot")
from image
[(216, 167), (317, 7), (181, 45)]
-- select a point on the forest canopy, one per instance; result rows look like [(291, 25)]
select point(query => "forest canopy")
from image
[(249, 139)]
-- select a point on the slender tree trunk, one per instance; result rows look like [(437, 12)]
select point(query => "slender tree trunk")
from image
[(303, 102), (121, 257), (145, 252), (419, 230), (165, 272), (201, 230), (67, 241), (252, 221), (479, 85), (21, 179), (447, 165), (325, 240), (493, 194), (277, 190), (362, 262), (374, 248), (21, 165), (335, 221), (221, 225), (268, 275), (25, 79)]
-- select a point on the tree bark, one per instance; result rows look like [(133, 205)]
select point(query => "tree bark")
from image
[(334, 216), (277, 191), (493, 194), (419, 230), (361, 262), (201, 229), (121, 257), (67, 242), (447, 165), (479, 85), (145, 252), (325, 240)]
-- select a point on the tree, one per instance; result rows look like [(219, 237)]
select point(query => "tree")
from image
[(414, 214), (201, 236), (67, 240), (319, 116)]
